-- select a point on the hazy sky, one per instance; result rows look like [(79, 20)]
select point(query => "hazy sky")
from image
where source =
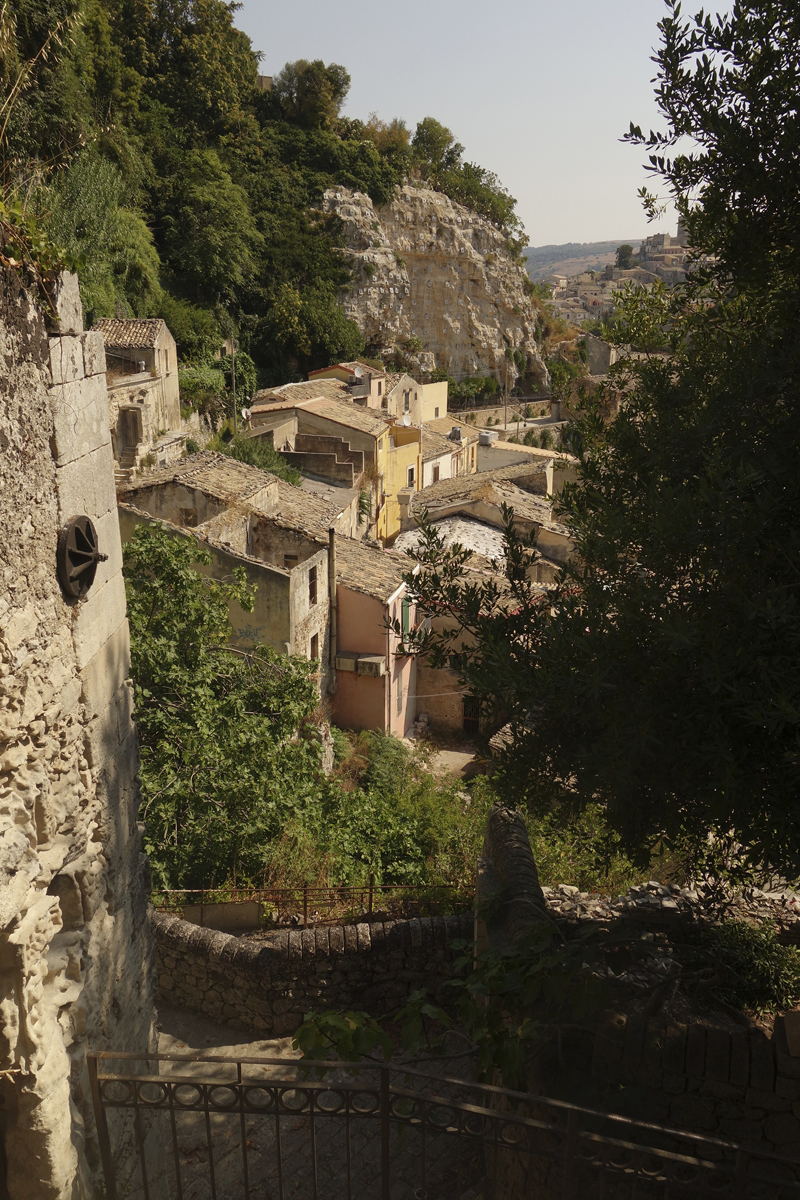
[(538, 92)]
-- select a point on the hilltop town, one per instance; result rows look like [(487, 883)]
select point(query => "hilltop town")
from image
[(398, 726)]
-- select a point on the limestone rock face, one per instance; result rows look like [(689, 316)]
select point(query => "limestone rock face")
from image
[(428, 268), (75, 940)]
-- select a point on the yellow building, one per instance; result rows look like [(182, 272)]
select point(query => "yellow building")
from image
[(399, 465)]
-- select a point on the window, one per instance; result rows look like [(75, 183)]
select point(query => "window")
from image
[(312, 587), (435, 413), (454, 662), (436, 473), (380, 387), (471, 720), (289, 561), (405, 619), (406, 401), (188, 518), (313, 651), (399, 693), (410, 477), (166, 357)]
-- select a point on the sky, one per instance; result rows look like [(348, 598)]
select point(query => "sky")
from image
[(536, 91)]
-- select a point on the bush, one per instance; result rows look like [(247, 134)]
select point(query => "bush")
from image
[(547, 439), (258, 452), (192, 447), (532, 437), (761, 974)]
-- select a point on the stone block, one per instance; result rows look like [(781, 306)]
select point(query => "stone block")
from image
[(742, 1130), (718, 1054), (790, 1088), (762, 1063), (693, 1111), (86, 488), (782, 1129), (364, 942), (66, 359), (634, 1041), (377, 936), (308, 942), (94, 353), (673, 1057), (673, 1084), (739, 1072), (722, 1090), (80, 418), (350, 939), (770, 1101), (323, 942), (336, 939), (696, 1051), (97, 618), (67, 303), (106, 672)]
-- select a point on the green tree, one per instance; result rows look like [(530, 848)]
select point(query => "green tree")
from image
[(311, 93), (661, 678), (222, 766), (624, 257), (211, 239)]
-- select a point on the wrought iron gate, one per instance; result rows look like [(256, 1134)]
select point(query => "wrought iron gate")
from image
[(213, 1128)]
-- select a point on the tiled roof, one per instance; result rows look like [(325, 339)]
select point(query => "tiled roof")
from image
[(391, 383), (136, 334), (369, 570), (312, 514), (347, 366), (333, 389), (493, 487), (434, 444), (351, 415), (215, 474)]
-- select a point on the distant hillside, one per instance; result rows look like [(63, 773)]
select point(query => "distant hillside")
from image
[(572, 257)]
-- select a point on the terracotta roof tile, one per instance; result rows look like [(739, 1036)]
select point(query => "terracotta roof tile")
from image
[(137, 334)]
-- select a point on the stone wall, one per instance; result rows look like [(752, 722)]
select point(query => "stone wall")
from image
[(429, 268), (268, 986), (737, 1084), (75, 942)]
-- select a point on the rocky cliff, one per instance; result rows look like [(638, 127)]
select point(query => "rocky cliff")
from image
[(428, 268)]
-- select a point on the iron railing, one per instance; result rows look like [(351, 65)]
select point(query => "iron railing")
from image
[(213, 1128), (336, 904)]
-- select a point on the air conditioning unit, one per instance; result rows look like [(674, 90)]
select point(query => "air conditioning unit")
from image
[(371, 664)]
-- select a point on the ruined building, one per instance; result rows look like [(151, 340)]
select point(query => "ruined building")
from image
[(75, 942)]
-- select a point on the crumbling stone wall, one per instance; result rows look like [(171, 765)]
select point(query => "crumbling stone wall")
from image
[(742, 1085), (75, 945), (269, 986)]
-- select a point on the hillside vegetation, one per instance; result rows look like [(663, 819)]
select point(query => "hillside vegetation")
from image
[(572, 257), (143, 146)]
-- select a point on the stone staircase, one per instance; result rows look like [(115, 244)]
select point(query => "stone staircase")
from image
[(125, 467)]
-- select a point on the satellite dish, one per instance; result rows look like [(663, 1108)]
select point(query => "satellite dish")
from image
[(246, 414), (406, 420), (358, 373)]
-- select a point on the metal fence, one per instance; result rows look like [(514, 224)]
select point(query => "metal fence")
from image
[(283, 906), (213, 1128)]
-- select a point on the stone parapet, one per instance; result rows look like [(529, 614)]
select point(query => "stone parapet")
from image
[(268, 986)]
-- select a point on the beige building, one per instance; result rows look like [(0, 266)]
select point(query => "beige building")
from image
[(365, 382), (143, 395)]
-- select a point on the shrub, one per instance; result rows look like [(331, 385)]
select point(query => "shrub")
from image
[(259, 453), (192, 447), (761, 974)]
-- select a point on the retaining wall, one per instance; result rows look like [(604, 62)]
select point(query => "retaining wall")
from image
[(740, 1086), (268, 986)]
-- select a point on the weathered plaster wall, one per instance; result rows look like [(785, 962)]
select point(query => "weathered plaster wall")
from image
[(456, 287), (269, 986), (75, 942)]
